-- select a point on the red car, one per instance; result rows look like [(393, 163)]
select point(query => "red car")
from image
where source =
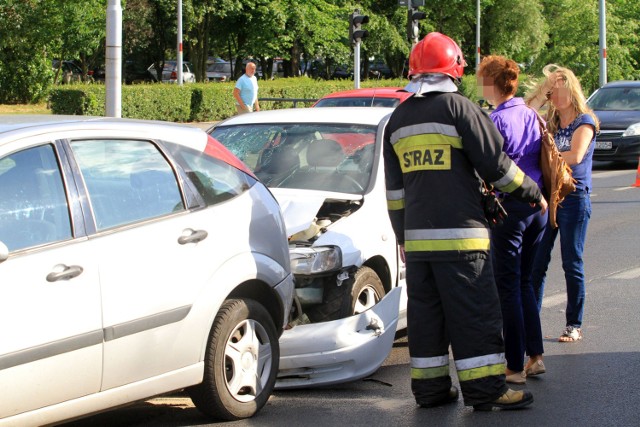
[(368, 97)]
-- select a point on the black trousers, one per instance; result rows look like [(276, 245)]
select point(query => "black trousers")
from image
[(455, 303)]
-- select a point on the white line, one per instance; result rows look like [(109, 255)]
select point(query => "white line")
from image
[(623, 188), (554, 300), (634, 273), (609, 174)]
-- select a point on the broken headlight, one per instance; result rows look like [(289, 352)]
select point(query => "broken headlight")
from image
[(315, 260)]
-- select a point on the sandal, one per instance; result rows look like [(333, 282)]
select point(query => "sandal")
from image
[(571, 334)]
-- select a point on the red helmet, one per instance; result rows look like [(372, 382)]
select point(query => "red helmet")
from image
[(436, 53)]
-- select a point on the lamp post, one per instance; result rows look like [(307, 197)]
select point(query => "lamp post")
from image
[(603, 44), (179, 47), (113, 60), (477, 35)]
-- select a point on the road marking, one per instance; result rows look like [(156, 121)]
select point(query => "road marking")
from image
[(554, 300), (609, 174), (634, 273), (623, 188)]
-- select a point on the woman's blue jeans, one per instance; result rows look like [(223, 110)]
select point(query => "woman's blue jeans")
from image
[(513, 248), (573, 218)]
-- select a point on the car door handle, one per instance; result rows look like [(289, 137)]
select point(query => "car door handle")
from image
[(194, 237), (68, 272)]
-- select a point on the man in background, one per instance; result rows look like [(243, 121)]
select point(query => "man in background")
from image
[(246, 91)]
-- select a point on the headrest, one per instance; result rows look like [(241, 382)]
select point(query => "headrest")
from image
[(324, 153)]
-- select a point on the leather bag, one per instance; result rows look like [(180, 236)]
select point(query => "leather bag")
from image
[(556, 173)]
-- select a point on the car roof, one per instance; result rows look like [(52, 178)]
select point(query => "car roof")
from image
[(380, 92), (337, 115), (623, 83), (19, 126)]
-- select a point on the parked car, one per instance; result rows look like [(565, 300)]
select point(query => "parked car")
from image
[(170, 72), (219, 72), (69, 72), (133, 73), (324, 165), (617, 105), (368, 97), (136, 258)]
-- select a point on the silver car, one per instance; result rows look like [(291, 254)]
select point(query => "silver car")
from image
[(136, 258)]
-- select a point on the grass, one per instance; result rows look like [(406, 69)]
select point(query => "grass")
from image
[(25, 109)]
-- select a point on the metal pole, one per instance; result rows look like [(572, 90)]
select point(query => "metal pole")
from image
[(478, 35), (356, 66), (603, 44), (179, 49), (113, 60)]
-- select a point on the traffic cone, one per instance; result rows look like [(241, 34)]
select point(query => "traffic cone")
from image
[(637, 184)]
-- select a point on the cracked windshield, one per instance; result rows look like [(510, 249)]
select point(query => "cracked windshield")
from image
[(316, 157)]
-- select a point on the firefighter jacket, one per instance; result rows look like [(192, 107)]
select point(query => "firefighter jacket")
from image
[(436, 146)]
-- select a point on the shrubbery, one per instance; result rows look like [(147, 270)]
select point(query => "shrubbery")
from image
[(201, 102)]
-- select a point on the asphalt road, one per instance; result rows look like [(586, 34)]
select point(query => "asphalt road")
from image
[(589, 383)]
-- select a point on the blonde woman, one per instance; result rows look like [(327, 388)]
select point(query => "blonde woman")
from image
[(574, 127)]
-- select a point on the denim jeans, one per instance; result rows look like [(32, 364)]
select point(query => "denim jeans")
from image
[(513, 248), (573, 218)]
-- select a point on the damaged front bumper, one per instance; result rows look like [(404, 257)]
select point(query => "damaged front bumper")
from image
[(341, 350)]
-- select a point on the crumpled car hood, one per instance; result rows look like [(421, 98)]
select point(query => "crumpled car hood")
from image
[(299, 207)]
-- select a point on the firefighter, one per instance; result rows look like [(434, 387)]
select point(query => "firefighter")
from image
[(437, 146)]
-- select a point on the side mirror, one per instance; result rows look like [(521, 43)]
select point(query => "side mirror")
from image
[(4, 252)]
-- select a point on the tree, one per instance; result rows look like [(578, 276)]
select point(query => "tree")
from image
[(513, 28), (25, 74), (574, 39)]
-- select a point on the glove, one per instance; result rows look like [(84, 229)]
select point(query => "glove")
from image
[(493, 210)]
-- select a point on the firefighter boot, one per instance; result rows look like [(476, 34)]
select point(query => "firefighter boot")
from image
[(511, 399)]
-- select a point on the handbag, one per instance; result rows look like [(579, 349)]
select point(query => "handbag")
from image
[(556, 173), (493, 210)]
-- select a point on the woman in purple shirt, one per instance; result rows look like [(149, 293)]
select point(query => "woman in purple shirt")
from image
[(515, 242)]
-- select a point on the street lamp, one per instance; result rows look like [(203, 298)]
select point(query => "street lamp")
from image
[(113, 60)]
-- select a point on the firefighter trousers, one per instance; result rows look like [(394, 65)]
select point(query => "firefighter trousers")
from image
[(455, 304)]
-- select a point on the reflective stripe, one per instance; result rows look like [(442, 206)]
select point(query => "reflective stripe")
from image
[(447, 239), (478, 361), (425, 128), (429, 367), (428, 139), (511, 180), (395, 194), (428, 373), (395, 205), (429, 362), (446, 233), (482, 372), (395, 199), (447, 245), (480, 367)]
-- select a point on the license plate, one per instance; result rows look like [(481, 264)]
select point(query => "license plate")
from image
[(603, 145)]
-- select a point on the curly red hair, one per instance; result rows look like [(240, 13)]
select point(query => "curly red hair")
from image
[(502, 71)]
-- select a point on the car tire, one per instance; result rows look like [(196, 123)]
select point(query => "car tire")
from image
[(354, 297), (232, 363)]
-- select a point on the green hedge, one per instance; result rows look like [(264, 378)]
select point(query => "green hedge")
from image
[(202, 102)]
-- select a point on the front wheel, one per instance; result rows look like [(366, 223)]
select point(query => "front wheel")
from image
[(241, 362), (365, 291)]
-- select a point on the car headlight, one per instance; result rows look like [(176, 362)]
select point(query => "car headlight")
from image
[(632, 130), (314, 260)]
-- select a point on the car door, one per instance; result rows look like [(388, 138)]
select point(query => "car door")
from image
[(50, 312), (155, 257)]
